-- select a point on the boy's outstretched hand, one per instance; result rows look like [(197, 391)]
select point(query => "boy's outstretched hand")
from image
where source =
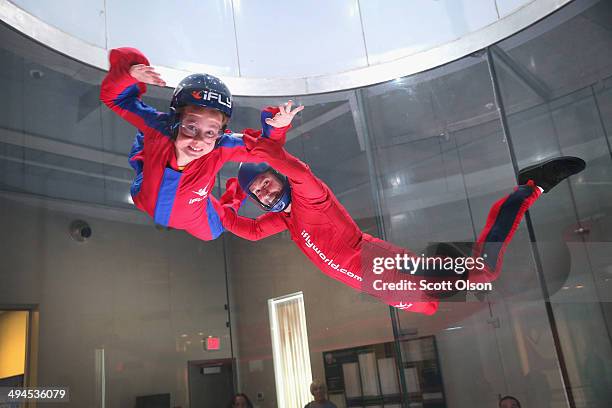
[(284, 116), (147, 74)]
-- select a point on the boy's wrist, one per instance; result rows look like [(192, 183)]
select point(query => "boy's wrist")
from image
[(127, 57), (123, 59), (278, 134)]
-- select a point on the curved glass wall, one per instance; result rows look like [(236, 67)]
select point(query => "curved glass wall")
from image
[(127, 316)]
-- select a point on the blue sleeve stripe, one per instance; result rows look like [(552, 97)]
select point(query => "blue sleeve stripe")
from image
[(136, 184), (166, 195), (214, 222), (129, 101), (266, 129), (137, 147), (230, 141)]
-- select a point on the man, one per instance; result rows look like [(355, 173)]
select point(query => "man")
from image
[(509, 402), (295, 199), (318, 389)]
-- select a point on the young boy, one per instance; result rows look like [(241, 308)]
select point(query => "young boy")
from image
[(176, 155), (324, 231)]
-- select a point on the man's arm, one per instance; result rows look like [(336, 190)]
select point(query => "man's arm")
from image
[(253, 229), (121, 91)]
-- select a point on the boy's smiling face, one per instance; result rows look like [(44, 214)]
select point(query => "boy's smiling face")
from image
[(199, 130)]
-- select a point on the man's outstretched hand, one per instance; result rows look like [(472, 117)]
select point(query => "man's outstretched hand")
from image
[(146, 74), (284, 115), (234, 195)]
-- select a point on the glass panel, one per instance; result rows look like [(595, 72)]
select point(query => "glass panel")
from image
[(417, 160), (326, 136), (563, 61), (442, 162), (146, 297)]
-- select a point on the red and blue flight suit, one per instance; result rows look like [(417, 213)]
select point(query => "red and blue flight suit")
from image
[(175, 198), (328, 236)]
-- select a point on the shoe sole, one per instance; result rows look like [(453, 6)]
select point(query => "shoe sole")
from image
[(573, 160)]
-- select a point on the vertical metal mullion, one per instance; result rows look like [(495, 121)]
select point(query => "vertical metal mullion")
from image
[(226, 262), (601, 122), (534, 248), (380, 223)]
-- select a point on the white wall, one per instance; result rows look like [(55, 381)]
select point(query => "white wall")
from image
[(281, 49)]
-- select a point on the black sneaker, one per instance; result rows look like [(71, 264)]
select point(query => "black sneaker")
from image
[(549, 173)]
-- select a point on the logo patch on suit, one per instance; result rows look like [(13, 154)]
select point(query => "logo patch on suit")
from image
[(403, 306), (201, 193)]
